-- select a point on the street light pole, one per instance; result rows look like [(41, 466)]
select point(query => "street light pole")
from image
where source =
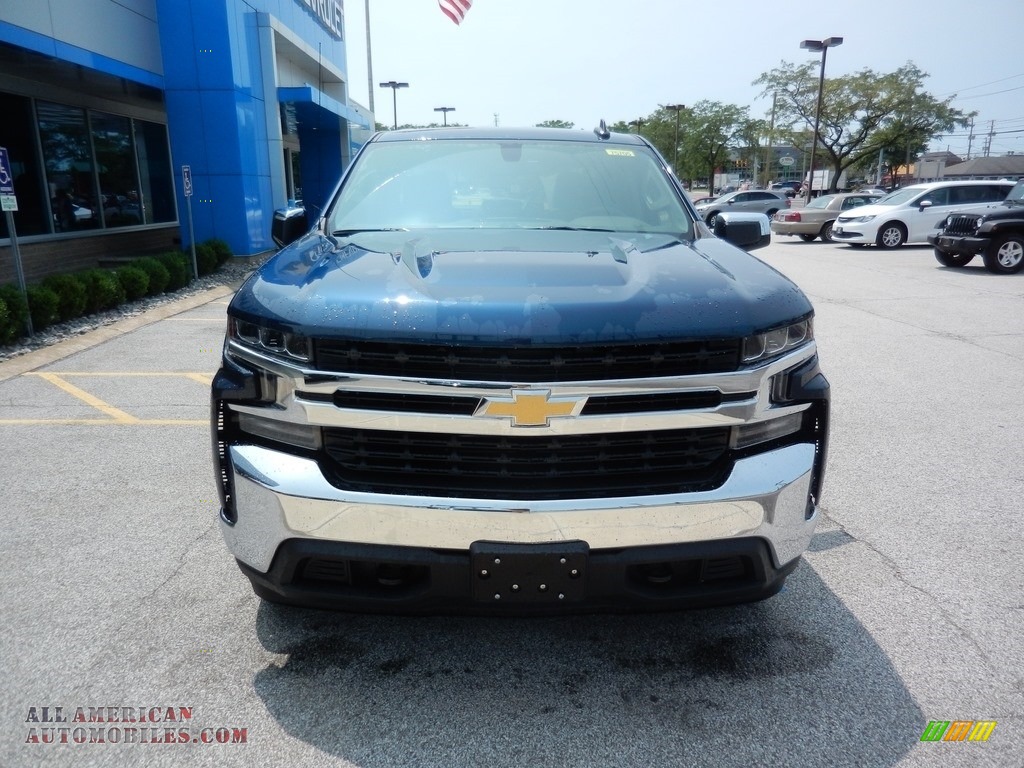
[(446, 110), (675, 147), (823, 46), (394, 86)]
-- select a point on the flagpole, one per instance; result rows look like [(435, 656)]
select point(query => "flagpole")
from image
[(369, 61)]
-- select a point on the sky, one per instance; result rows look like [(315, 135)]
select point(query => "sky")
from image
[(521, 62)]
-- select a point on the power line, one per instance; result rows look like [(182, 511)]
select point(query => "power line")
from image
[(991, 82), (993, 93)]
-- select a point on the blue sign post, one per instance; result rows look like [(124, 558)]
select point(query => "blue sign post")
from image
[(9, 204)]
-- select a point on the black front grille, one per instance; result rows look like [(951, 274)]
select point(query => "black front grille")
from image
[(528, 363), (527, 468), (961, 225)]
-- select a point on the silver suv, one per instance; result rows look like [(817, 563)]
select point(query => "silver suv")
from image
[(768, 202)]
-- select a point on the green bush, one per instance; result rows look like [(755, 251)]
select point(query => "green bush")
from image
[(178, 267), (206, 259), (134, 281), (71, 295), (44, 304), (103, 290), (221, 248), (157, 273), (5, 318), (17, 313)]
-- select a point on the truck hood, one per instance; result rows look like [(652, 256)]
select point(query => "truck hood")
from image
[(517, 286)]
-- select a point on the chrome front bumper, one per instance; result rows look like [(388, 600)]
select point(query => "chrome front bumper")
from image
[(282, 497)]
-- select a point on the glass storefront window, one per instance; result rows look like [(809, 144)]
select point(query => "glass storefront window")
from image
[(67, 161), (115, 163), (17, 135), (157, 187), (99, 170)]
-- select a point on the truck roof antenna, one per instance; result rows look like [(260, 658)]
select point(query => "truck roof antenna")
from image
[(602, 131)]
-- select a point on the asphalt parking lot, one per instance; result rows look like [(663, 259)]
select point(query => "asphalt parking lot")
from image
[(122, 606)]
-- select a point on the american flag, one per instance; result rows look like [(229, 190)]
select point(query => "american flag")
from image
[(455, 9)]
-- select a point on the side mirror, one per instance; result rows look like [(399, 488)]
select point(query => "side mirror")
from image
[(289, 225), (924, 204), (748, 231)]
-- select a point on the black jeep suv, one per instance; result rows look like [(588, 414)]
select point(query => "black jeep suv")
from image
[(997, 234)]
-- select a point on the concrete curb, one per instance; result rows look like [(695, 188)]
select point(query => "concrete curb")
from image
[(39, 358)]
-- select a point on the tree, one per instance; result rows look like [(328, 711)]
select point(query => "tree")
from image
[(861, 113), (555, 124), (711, 130)]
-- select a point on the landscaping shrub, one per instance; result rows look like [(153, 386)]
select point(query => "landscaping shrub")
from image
[(17, 313), (103, 290), (44, 304), (5, 318), (221, 248), (71, 295), (134, 281), (178, 267), (157, 273), (206, 259)]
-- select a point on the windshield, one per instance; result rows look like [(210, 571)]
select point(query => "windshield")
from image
[(821, 202), (1017, 193), (900, 196), (482, 183)]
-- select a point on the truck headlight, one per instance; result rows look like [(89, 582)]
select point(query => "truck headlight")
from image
[(777, 342), (262, 339), (860, 219)]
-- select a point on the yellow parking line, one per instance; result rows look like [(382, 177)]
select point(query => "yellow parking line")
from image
[(115, 413), (106, 422), (122, 374), (202, 378)]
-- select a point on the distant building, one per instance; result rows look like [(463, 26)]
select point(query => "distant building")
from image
[(103, 101), (1002, 167)]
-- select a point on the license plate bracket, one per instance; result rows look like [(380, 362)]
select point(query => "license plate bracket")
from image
[(528, 573)]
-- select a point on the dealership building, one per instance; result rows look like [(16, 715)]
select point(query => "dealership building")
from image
[(131, 123)]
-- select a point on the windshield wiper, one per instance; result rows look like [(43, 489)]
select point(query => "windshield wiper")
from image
[(576, 229), (350, 232)]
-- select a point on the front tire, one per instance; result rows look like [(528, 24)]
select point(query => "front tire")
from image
[(953, 259), (826, 232), (891, 235), (710, 219), (1005, 256)]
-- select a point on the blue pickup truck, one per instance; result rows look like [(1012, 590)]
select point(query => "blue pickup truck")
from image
[(514, 371)]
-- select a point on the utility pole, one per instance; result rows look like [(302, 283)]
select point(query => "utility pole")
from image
[(771, 131), (988, 139), (970, 140), (369, 62)]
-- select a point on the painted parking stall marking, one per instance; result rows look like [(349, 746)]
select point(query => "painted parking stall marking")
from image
[(114, 416)]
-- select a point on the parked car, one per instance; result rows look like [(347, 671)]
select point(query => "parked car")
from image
[(510, 371), (817, 217), (752, 201), (789, 188), (997, 234), (911, 214), (879, 191), (703, 200)]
